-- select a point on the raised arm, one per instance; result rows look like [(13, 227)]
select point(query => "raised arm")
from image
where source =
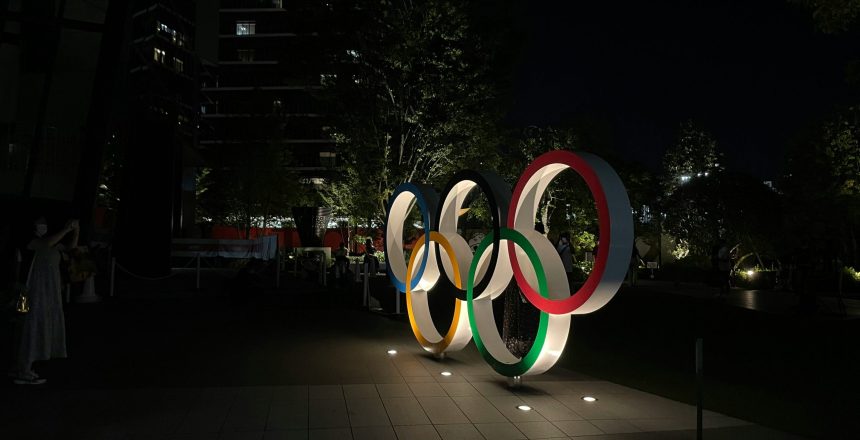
[(52, 240), (76, 232)]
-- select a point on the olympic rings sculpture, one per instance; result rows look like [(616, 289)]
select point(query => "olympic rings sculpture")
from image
[(512, 250)]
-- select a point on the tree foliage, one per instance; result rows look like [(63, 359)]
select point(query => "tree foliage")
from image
[(415, 98), (693, 155), (822, 193), (250, 191), (832, 16), (703, 203)]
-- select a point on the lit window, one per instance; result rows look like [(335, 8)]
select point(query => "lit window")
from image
[(159, 26), (158, 55), (178, 64), (245, 54), (246, 27)]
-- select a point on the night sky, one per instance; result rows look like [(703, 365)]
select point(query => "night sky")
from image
[(752, 73)]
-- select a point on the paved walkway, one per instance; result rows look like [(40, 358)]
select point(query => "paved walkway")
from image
[(294, 368), (767, 301)]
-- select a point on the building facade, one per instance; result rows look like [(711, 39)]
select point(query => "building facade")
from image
[(272, 59)]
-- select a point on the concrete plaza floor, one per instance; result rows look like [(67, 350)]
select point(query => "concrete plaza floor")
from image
[(296, 364)]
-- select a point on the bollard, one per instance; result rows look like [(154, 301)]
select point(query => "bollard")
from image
[(699, 391), (396, 301), (112, 273), (278, 273), (357, 274), (366, 286)]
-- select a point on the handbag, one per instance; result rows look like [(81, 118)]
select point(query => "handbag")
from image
[(22, 305)]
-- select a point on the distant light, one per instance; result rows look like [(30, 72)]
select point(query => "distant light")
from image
[(706, 174), (684, 178), (750, 273), (589, 399), (446, 373), (524, 408), (392, 351)]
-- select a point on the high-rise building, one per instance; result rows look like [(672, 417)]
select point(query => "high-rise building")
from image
[(158, 131), (272, 57)]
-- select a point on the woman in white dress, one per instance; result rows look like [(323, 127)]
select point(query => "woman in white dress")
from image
[(41, 333)]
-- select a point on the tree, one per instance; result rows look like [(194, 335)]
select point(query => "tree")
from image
[(823, 189), (832, 16), (690, 200), (693, 155), (249, 192), (415, 101), (735, 207)]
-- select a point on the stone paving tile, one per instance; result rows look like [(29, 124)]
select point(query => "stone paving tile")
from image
[(373, 433), (507, 405), (151, 421), (241, 435), (377, 378), (496, 388), (672, 424), (260, 395), (601, 409), (330, 434), (202, 420), (327, 413), (459, 389), (500, 431), (289, 393), (367, 412), (355, 380), (405, 411), (361, 391), (419, 379), (325, 392), (417, 432), (288, 415), (577, 427), (427, 390), (293, 434), (393, 390), (442, 410), (246, 417), (412, 369), (539, 430), (459, 431), (615, 426), (478, 409), (550, 408)]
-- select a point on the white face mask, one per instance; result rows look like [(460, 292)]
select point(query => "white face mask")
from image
[(41, 230)]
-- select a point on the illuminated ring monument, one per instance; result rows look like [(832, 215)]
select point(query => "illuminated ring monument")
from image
[(515, 251)]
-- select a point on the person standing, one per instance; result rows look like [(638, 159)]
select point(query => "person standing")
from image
[(341, 260), (724, 266), (41, 333), (563, 248), (370, 257), (635, 261)]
